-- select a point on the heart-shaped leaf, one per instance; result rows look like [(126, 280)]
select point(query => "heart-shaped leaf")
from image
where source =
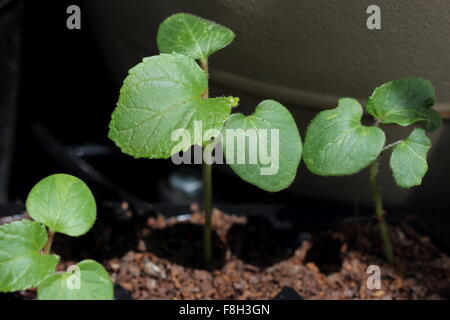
[(161, 95), (63, 203), (264, 148), (404, 102), (192, 36), (86, 281), (22, 265), (409, 159), (338, 144)]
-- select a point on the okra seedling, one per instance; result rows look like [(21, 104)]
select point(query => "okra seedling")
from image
[(166, 97), (337, 144), (62, 204)]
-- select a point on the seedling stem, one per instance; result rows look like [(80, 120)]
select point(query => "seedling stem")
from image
[(165, 89), (48, 246), (207, 204), (379, 212), (207, 194)]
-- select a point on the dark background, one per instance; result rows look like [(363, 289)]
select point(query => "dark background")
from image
[(64, 87)]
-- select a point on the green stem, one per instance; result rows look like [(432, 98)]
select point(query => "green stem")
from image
[(48, 245), (207, 194), (207, 205), (204, 66), (390, 146), (380, 213)]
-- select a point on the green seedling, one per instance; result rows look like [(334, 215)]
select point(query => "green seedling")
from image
[(169, 92), (337, 144), (62, 204)]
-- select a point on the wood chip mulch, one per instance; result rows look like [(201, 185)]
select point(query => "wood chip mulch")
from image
[(331, 264)]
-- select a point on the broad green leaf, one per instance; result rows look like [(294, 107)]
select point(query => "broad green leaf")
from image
[(404, 102), (409, 159), (87, 281), (264, 148), (22, 265), (192, 36), (338, 144), (160, 95), (63, 203)]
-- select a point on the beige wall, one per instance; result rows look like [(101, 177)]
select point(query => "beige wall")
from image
[(306, 54)]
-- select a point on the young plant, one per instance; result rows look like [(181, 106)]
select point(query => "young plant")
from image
[(63, 204), (337, 144), (169, 92)]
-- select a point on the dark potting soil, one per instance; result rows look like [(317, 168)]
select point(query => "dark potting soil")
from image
[(161, 258)]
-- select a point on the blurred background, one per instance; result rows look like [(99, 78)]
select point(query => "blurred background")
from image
[(58, 88)]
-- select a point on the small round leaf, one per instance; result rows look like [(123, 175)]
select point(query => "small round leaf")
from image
[(276, 148), (160, 96), (337, 144), (404, 102), (63, 203), (22, 265), (409, 159), (87, 281), (192, 36)]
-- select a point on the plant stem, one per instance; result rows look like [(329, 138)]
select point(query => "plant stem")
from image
[(380, 213), (204, 65), (48, 246), (207, 194), (390, 146), (207, 205)]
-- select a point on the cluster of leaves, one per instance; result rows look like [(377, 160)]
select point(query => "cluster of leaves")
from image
[(337, 143), (170, 91), (63, 204), (167, 92)]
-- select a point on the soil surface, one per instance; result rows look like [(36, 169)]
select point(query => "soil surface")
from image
[(161, 258), (253, 263)]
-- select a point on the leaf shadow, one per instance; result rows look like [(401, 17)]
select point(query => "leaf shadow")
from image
[(259, 243), (182, 244)]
